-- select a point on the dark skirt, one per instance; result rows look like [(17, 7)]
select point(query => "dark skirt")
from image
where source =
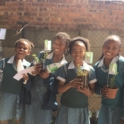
[(9, 106), (109, 115), (68, 115), (34, 114)]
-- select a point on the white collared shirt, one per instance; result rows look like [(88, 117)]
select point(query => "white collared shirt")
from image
[(62, 74), (24, 62), (114, 60), (85, 66), (50, 55), (11, 61)]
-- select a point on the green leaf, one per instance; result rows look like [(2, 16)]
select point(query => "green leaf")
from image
[(35, 58), (113, 68)]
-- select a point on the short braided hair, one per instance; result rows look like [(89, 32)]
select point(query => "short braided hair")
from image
[(64, 37), (22, 39)]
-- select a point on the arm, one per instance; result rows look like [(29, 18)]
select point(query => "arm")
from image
[(88, 91), (37, 69), (28, 85), (92, 88), (122, 121), (45, 75), (98, 88), (122, 113), (25, 78), (121, 71), (62, 87)]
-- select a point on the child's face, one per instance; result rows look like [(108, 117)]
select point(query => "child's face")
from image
[(111, 49), (59, 47), (22, 49), (78, 52)]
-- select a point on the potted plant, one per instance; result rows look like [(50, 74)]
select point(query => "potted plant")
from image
[(111, 88), (47, 48), (83, 76), (41, 61)]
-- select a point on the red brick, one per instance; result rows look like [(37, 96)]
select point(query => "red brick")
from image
[(27, 14), (4, 8), (115, 7), (118, 12), (15, 18), (34, 14), (21, 8), (12, 3), (35, 4), (120, 17), (12, 13), (34, 9), (2, 3), (62, 13), (13, 8), (27, 8), (1, 13), (27, 19), (27, 4)]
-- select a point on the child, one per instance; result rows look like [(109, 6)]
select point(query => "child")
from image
[(43, 92), (112, 110), (11, 88), (74, 100)]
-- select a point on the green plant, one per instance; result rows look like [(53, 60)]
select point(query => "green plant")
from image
[(81, 72), (45, 55), (41, 59), (112, 81), (36, 58), (112, 70)]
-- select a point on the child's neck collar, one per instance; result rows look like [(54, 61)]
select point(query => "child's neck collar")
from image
[(114, 60), (57, 58), (107, 62), (78, 64)]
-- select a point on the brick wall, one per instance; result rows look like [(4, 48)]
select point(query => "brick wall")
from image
[(89, 18), (62, 14)]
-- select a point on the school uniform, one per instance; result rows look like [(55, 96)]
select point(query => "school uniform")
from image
[(10, 90), (74, 104), (43, 96), (112, 110)]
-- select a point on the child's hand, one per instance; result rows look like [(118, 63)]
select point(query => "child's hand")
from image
[(104, 92), (122, 121), (86, 91), (45, 74), (25, 77), (37, 69), (75, 83)]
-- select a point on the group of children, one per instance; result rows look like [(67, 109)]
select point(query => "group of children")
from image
[(32, 99)]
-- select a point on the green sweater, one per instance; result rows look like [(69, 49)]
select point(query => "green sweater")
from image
[(119, 82), (9, 84), (73, 98)]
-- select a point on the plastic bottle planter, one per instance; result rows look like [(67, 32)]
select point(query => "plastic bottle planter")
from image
[(43, 68), (41, 61), (83, 76)]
